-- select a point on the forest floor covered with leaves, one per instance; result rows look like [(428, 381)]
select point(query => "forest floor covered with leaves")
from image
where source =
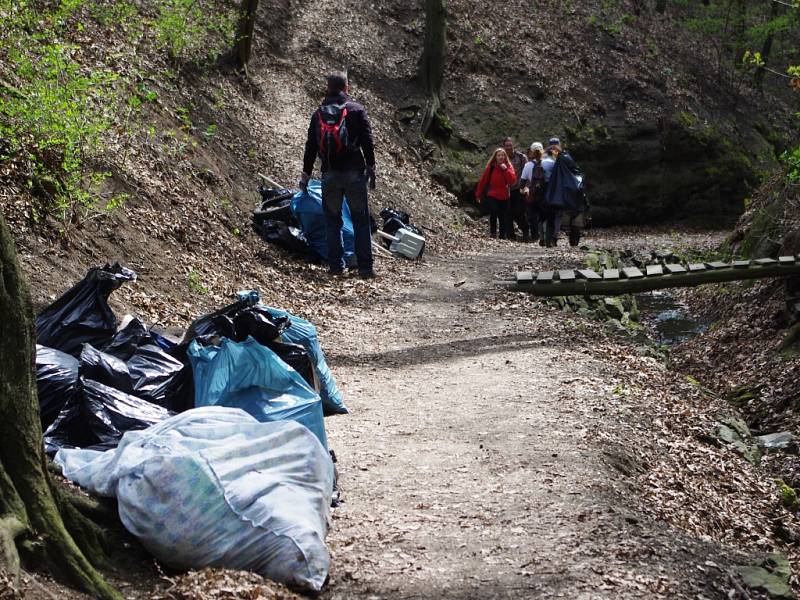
[(499, 447)]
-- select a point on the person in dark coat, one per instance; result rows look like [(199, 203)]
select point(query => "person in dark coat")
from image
[(516, 200), (562, 176), (340, 134)]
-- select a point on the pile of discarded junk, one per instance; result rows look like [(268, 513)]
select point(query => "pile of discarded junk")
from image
[(295, 221), (213, 444)]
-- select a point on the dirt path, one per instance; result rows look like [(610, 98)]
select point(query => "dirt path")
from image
[(471, 465)]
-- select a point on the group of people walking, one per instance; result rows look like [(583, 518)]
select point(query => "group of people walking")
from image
[(533, 192)]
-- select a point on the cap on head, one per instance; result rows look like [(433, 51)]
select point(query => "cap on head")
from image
[(554, 141), (337, 82), (537, 146)]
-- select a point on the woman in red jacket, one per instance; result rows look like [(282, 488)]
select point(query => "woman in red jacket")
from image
[(494, 192)]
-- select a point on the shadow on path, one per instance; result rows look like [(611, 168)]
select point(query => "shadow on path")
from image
[(432, 353)]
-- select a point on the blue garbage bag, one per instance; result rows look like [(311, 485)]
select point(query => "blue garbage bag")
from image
[(304, 333), (252, 377), (307, 208)]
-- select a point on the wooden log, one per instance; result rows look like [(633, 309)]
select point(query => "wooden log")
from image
[(632, 273), (654, 270), (566, 275), (545, 277), (588, 274), (610, 274), (525, 277), (615, 287), (675, 269), (695, 267)]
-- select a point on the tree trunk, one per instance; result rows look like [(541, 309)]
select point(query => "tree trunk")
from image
[(766, 49), (244, 32), (661, 6), (34, 514), (739, 32), (432, 64)]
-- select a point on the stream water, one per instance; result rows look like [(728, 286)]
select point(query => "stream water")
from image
[(668, 318)]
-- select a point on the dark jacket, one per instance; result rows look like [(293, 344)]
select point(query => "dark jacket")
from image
[(363, 153), (565, 191)]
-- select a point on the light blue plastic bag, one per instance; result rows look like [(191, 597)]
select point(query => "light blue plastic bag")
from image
[(304, 333), (212, 487), (252, 377), (307, 207)]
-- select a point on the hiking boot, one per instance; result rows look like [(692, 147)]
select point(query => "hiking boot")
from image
[(541, 242), (337, 273), (367, 274)]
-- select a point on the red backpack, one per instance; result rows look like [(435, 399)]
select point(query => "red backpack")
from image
[(334, 140)]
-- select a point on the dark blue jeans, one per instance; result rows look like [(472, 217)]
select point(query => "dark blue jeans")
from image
[(335, 186)]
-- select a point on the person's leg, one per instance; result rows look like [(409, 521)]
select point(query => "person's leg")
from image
[(356, 190), (332, 194), (504, 213), (491, 207), (533, 221), (556, 226), (548, 227), (518, 214)]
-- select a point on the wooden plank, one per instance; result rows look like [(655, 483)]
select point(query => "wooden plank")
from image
[(675, 269), (632, 273), (786, 260), (610, 274), (545, 277), (696, 267), (588, 274), (566, 275), (654, 270), (765, 261), (741, 264), (525, 277), (717, 264)]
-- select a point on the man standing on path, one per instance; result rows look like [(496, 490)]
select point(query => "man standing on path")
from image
[(341, 135), (517, 160)]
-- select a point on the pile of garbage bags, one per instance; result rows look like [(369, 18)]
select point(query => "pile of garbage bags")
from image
[(295, 221), (236, 403)]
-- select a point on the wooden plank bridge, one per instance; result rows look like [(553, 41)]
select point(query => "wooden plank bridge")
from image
[(632, 280)]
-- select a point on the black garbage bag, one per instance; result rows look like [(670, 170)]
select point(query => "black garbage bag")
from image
[(205, 325), (392, 213), (280, 210), (99, 416), (128, 339), (82, 315), (258, 323), (111, 412), (56, 380), (285, 236), (296, 357), (270, 195), (106, 369), (393, 221), (152, 371)]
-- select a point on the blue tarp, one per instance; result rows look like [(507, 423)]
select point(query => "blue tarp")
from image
[(252, 377), (304, 333), (307, 207)]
